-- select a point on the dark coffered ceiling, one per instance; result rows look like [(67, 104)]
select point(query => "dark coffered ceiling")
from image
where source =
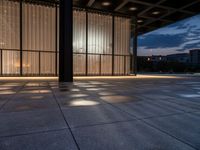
[(151, 14)]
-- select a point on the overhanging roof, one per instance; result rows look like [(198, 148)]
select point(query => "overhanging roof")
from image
[(151, 14)]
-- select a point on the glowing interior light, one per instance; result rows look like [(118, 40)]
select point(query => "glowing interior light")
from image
[(132, 8), (139, 21), (155, 12), (106, 3)]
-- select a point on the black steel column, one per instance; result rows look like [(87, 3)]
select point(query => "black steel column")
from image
[(113, 44), (86, 57), (20, 38), (134, 59), (65, 42), (56, 42), (39, 65), (1, 62)]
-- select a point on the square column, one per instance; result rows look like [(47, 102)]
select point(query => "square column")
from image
[(66, 41)]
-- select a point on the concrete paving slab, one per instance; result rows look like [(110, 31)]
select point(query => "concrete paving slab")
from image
[(13, 123), (126, 136), (185, 127), (92, 115), (144, 109), (56, 140)]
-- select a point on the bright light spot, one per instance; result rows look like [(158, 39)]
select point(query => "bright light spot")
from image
[(75, 90), (96, 82), (106, 3), (78, 95), (105, 93), (87, 86), (80, 102), (95, 89), (132, 8), (155, 12), (140, 21)]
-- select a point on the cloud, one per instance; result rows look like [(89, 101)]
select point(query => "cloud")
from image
[(162, 41), (178, 37)]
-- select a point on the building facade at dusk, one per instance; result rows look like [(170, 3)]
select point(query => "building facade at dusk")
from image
[(79, 37), (195, 57), (32, 50)]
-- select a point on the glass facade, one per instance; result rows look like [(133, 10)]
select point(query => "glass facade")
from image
[(29, 41)]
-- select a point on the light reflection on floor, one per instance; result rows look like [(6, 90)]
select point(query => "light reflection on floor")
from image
[(94, 109), (82, 102)]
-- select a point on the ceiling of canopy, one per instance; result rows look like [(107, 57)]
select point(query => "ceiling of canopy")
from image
[(151, 14)]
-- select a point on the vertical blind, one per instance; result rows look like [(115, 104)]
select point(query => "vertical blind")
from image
[(9, 37), (79, 42), (39, 45), (122, 45), (99, 44), (39, 39)]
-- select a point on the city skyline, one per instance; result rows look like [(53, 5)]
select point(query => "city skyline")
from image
[(179, 37)]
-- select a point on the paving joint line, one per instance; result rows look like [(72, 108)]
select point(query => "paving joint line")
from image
[(182, 141), (59, 106), (13, 97), (32, 133)]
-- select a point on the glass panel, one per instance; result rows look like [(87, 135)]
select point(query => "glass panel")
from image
[(47, 66), (79, 32), (79, 42), (0, 62), (11, 62), (39, 27), (93, 64), (39, 35), (99, 33), (119, 65), (30, 63), (106, 64), (122, 46), (128, 65), (9, 25), (99, 42), (79, 64)]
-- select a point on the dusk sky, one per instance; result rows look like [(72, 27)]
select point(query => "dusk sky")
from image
[(175, 38)]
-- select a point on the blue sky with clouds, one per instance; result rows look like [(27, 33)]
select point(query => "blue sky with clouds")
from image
[(175, 38)]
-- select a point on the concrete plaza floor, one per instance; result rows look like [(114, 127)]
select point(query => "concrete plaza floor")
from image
[(131, 113)]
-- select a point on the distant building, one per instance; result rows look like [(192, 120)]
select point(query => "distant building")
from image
[(181, 58), (158, 58), (195, 57)]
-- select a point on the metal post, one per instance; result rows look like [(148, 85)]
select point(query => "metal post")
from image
[(56, 42), (21, 44), (39, 63), (135, 47), (86, 54), (65, 41), (100, 64), (124, 65), (1, 63), (113, 44)]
